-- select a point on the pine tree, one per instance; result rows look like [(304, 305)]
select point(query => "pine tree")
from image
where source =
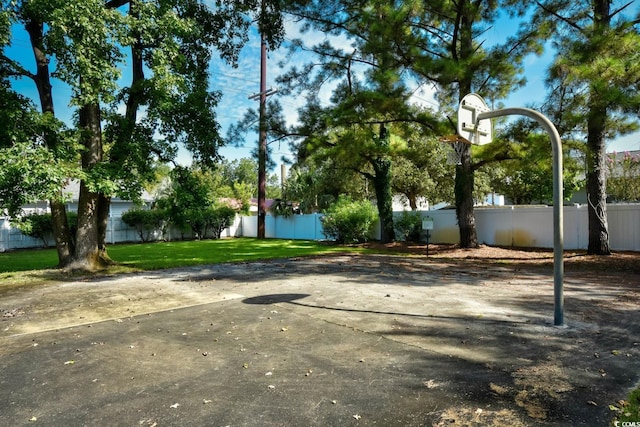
[(596, 81)]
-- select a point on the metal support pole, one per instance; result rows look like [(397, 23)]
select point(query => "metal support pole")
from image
[(262, 145), (558, 244), (428, 235), (262, 142)]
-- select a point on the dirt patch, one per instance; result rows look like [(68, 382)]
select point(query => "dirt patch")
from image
[(480, 417), (573, 260)]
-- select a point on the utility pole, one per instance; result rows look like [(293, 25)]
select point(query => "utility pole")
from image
[(262, 143)]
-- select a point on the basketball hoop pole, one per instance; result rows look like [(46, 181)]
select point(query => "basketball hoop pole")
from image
[(558, 245)]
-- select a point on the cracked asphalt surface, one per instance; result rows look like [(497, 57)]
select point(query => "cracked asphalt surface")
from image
[(327, 341)]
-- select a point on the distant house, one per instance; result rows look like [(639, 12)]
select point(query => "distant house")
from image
[(253, 207), (618, 157), (235, 204), (72, 193), (580, 196)]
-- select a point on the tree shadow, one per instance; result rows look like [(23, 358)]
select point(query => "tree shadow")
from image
[(292, 298), (274, 299)]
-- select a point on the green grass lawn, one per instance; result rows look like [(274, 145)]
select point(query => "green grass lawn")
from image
[(153, 256)]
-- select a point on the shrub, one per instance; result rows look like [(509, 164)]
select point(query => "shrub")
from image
[(214, 219), (145, 221), (38, 226), (196, 219), (282, 208), (348, 221), (409, 226), (223, 217)]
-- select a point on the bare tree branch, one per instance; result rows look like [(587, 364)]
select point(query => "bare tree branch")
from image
[(560, 17)]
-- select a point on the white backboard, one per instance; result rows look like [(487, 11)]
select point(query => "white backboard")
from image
[(475, 131)]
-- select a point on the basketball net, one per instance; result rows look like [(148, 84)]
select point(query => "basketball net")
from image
[(455, 154), (457, 143)]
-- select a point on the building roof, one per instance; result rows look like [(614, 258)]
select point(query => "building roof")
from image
[(72, 191)]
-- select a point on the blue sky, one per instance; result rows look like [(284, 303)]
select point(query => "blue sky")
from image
[(237, 84)]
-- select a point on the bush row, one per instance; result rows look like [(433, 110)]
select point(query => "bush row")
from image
[(346, 221), (208, 222), (204, 222), (40, 226)]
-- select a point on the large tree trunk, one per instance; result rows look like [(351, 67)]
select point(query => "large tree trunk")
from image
[(413, 202), (464, 180), (103, 223), (596, 183), (125, 129), (87, 254), (61, 232), (382, 185), (596, 151), (463, 189)]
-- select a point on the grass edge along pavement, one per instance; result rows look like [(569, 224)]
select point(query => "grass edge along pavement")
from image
[(627, 412), (32, 266)]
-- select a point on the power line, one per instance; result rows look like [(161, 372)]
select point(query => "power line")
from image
[(232, 76)]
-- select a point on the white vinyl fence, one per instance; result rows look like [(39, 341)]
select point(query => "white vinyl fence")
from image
[(298, 227), (529, 226), (521, 226), (117, 232)]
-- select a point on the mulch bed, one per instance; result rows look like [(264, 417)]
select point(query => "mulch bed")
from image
[(573, 259)]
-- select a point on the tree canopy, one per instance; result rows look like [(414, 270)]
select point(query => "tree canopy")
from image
[(595, 88), (122, 129), (140, 88)]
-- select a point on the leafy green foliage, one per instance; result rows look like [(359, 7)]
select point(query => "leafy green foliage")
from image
[(191, 203), (317, 183), (30, 171), (145, 221), (526, 174), (214, 219), (169, 46), (238, 179), (439, 42), (371, 103), (282, 208), (420, 169), (623, 181), (5, 26), (594, 88), (189, 192), (409, 226), (221, 218), (348, 221), (40, 225), (363, 144)]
